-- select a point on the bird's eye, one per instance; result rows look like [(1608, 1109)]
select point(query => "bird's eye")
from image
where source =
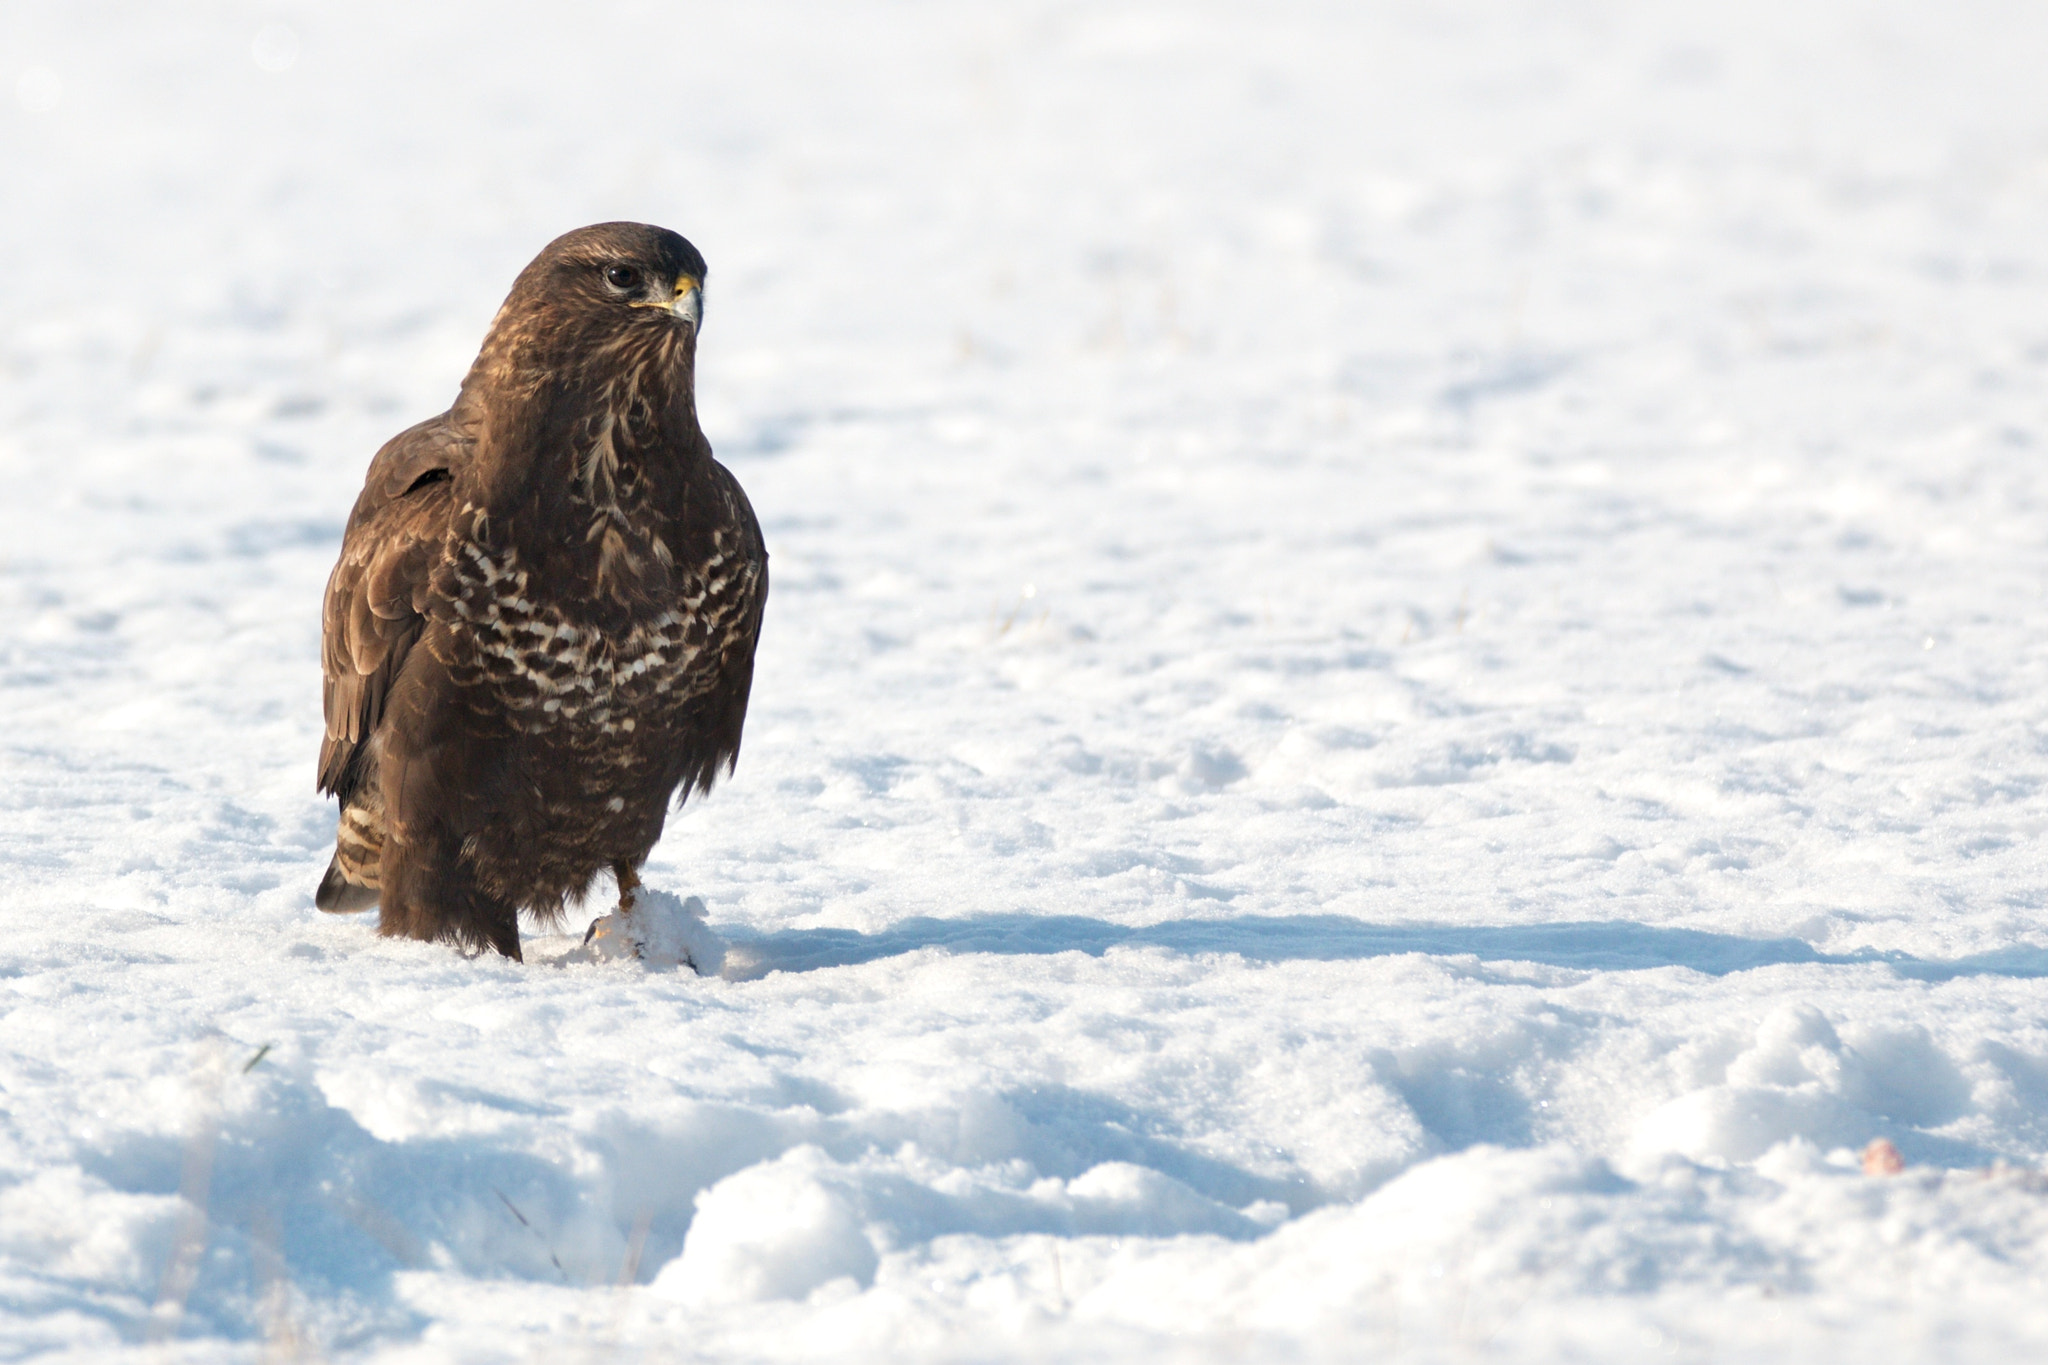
[(621, 276)]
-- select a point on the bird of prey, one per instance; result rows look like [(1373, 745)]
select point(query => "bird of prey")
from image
[(541, 628)]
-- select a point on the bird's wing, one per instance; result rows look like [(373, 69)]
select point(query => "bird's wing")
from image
[(377, 594), (717, 743)]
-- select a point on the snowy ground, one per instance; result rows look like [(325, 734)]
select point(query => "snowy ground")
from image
[(1406, 693)]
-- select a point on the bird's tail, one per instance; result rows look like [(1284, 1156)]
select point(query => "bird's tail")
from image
[(352, 882), (340, 896)]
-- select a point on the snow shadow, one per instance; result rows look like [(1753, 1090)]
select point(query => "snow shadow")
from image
[(1592, 945), (298, 1191)]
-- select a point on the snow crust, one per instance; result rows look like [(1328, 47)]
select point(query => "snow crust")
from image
[(1406, 694)]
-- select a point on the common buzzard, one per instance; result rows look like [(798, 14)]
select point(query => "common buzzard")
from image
[(542, 625)]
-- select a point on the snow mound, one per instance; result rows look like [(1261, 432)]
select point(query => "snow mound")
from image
[(776, 1230), (1797, 1078), (660, 930)]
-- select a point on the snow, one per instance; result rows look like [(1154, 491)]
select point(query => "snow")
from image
[(1405, 699), (659, 929)]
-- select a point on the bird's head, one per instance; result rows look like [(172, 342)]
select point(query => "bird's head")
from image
[(609, 296)]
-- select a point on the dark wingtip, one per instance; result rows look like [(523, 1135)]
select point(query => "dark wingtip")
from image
[(340, 896)]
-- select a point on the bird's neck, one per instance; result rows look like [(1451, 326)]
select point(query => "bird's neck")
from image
[(623, 422)]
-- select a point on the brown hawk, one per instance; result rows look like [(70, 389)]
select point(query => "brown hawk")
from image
[(542, 625)]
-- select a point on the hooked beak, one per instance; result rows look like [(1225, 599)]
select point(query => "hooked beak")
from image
[(689, 300)]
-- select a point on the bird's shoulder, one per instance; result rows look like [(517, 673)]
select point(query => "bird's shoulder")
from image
[(732, 513), (434, 451)]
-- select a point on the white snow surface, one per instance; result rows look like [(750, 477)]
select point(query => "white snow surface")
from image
[(1406, 692)]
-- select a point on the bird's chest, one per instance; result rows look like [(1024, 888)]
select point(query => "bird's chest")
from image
[(589, 674)]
